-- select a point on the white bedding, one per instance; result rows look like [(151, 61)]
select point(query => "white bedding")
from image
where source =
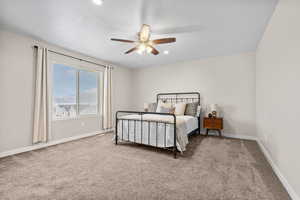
[(184, 125)]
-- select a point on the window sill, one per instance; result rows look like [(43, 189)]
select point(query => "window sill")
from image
[(77, 118)]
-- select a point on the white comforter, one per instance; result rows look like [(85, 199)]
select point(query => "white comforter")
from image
[(184, 125)]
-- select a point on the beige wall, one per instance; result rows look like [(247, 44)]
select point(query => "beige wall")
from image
[(228, 81), (277, 86), (17, 92)]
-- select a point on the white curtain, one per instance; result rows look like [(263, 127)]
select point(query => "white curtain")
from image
[(107, 98), (41, 111)]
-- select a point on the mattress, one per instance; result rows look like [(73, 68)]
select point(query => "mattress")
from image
[(156, 130)]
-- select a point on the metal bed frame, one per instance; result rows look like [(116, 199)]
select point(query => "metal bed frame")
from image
[(187, 97)]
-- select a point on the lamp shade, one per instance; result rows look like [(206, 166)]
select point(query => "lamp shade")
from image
[(213, 107), (146, 105)]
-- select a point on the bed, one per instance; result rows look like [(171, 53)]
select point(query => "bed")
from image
[(158, 129)]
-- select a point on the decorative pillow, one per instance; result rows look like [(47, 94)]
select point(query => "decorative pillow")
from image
[(191, 109), (180, 108), (152, 107), (167, 110), (161, 105)]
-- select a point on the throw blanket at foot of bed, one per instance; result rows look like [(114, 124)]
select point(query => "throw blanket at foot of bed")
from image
[(156, 130)]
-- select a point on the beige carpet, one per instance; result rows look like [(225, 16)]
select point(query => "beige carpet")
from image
[(94, 168)]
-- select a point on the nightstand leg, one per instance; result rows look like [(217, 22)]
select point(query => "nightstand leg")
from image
[(220, 133), (207, 132)]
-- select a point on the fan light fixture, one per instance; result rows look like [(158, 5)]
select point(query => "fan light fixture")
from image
[(149, 49), (142, 48)]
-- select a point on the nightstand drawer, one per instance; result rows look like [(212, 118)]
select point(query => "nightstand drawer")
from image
[(213, 123)]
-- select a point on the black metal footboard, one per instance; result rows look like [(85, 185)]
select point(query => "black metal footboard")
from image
[(140, 120)]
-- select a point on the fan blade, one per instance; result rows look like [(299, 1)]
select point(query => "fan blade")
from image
[(131, 50), (164, 40), (154, 51), (121, 40)]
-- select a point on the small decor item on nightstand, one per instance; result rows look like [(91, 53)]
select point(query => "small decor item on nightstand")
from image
[(214, 114), (210, 115)]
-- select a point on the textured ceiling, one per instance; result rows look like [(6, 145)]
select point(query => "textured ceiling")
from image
[(203, 28)]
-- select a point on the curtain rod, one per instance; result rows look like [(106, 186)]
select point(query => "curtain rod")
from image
[(35, 46)]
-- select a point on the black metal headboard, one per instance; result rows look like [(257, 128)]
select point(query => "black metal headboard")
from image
[(187, 97)]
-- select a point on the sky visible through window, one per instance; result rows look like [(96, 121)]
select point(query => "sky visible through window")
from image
[(88, 91), (88, 84), (64, 84), (65, 89)]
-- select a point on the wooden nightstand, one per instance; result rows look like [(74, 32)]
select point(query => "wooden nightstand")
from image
[(213, 124)]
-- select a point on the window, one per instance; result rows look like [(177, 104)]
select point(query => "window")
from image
[(88, 92), (75, 92), (64, 91)]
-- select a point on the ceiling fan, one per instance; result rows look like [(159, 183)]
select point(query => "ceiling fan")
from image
[(144, 44)]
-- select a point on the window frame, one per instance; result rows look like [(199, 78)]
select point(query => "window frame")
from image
[(77, 65)]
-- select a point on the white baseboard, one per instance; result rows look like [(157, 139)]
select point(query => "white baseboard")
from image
[(243, 137), (277, 171), (43, 145)]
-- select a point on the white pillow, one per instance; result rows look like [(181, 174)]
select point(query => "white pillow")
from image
[(180, 108), (198, 111), (162, 104)]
